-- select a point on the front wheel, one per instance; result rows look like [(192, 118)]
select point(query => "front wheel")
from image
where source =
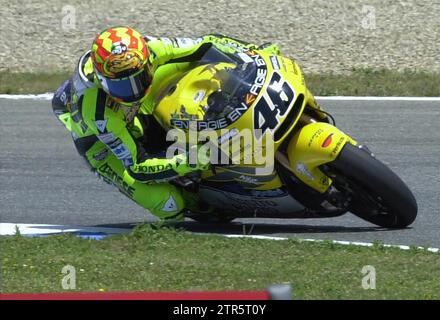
[(373, 192)]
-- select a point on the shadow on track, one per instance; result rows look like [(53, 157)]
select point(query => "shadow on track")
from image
[(257, 228)]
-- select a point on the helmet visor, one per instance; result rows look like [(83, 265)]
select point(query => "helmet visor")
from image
[(130, 88)]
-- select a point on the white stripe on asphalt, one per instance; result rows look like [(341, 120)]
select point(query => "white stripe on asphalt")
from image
[(350, 98), (26, 229), (44, 96), (353, 243), (46, 229), (48, 96)]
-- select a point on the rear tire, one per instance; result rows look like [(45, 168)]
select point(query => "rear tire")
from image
[(378, 194)]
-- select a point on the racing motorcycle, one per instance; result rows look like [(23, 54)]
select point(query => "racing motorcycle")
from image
[(318, 171)]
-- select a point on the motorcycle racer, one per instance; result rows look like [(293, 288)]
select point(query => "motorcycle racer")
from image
[(107, 107)]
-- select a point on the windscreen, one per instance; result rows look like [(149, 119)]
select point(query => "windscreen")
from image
[(237, 83)]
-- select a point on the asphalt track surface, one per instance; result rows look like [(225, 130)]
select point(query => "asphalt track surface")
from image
[(43, 180)]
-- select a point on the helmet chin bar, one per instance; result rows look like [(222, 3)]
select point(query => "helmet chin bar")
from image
[(128, 89), (133, 104)]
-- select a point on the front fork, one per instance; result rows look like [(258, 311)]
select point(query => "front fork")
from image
[(313, 145)]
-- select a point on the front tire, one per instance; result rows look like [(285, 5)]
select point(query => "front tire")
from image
[(377, 194)]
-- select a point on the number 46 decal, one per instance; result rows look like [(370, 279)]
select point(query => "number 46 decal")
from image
[(273, 105)]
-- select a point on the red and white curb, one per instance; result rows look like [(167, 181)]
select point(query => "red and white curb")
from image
[(36, 230), (183, 295)]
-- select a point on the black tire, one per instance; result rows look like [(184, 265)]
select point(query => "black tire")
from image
[(378, 194)]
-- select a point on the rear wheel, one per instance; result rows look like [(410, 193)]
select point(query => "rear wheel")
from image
[(374, 192)]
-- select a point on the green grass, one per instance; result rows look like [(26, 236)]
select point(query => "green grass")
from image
[(21, 83), (167, 259), (362, 82), (367, 82)]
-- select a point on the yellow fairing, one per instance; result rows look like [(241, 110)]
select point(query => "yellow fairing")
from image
[(312, 146), (185, 98), (189, 98)]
